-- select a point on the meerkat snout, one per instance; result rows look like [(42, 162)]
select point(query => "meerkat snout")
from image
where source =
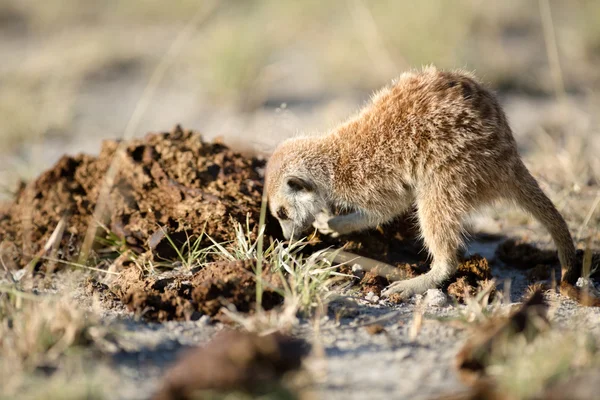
[(294, 190), (294, 203)]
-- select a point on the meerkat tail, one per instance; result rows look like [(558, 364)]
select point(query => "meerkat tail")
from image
[(532, 199)]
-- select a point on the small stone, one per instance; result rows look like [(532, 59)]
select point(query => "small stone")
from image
[(19, 274), (358, 271), (435, 298), (372, 297), (583, 282), (586, 283)]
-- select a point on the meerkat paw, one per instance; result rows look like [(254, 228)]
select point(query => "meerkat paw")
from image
[(409, 287), (321, 223)]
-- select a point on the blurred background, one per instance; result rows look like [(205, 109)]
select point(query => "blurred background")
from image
[(257, 71)]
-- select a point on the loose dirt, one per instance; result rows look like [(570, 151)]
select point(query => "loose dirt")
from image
[(170, 184), (472, 274), (188, 296)]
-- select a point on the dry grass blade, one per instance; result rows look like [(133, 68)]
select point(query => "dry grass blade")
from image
[(48, 334), (38, 331), (552, 49), (304, 282), (589, 216)]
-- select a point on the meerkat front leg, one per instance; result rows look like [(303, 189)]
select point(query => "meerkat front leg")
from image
[(362, 219), (344, 224), (353, 222), (441, 227)]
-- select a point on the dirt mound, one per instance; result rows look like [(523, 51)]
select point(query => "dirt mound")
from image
[(170, 182), (170, 185)]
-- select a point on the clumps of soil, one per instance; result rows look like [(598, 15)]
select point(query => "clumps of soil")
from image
[(518, 254), (472, 274), (234, 361), (373, 283), (544, 267), (379, 278), (187, 296), (170, 183), (92, 287), (578, 294)]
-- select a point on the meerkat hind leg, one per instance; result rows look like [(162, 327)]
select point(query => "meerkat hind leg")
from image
[(441, 227)]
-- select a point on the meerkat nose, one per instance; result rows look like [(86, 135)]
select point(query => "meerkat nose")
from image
[(287, 234)]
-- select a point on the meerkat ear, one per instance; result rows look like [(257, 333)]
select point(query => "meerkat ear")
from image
[(299, 184)]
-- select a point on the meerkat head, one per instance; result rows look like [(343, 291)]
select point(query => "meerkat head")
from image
[(293, 194)]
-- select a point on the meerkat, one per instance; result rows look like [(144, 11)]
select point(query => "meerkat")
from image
[(435, 139)]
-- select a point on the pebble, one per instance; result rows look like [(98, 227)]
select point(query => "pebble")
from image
[(435, 298), (18, 275), (586, 282), (372, 297), (358, 271)]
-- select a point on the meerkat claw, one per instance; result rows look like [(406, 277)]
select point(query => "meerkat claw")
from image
[(322, 225)]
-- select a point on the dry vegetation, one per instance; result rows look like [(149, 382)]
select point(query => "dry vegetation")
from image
[(47, 344), (246, 56)]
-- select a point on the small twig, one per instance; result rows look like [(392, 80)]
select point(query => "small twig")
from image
[(14, 291), (7, 271)]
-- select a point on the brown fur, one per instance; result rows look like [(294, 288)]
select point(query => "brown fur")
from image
[(435, 139)]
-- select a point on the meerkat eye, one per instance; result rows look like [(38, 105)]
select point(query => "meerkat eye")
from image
[(282, 214), (298, 184)]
